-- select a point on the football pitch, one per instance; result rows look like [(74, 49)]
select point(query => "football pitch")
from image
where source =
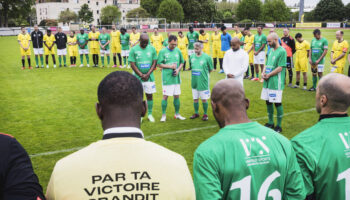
[(51, 112)]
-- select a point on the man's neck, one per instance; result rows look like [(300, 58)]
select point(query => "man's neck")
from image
[(327, 111), (340, 40), (237, 120), (259, 33), (277, 45), (199, 55)]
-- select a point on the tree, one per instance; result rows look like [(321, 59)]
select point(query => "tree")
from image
[(137, 13), (347, 11), (329, 10), (198, 10), (275, 10), (12, 9), (249, 9), (171, 10), (67, 16), (110, 14), (85, 14), (32, 16), (151, 6)]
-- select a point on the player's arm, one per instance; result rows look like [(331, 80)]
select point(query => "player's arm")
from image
[(181, 63), (210, 64), (225, 67), (325, 51), (310, 56), (341, 55)]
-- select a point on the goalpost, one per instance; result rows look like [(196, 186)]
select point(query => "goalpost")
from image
[(145, 24)]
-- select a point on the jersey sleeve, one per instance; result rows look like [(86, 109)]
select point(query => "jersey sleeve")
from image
[(210, 63), (264, 40), (90, 35), (132, 56), (346, 47), (19, 37), (45, 38), (186, 41), (282, 60), (325, 44), (307, 46), (160, 59), (334, 48)]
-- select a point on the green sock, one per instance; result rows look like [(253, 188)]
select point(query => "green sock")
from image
[(42, 60), (81, 59), (257, 74), (177, 105), (37, 60), (60, 59), (108, 59), (205, 107), (164, 105), (196, 107), (103, 60), (314, 81), (150, 106), (64, 60), (270, 113), (279, 115), (87, 58)]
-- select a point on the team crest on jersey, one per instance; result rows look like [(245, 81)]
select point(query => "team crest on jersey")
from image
[(201, 62), (345, 138), (148, 54), (257, 152)]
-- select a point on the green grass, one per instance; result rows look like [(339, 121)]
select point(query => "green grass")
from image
[(54, 109)]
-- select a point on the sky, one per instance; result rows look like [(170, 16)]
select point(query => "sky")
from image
[(309, 2)]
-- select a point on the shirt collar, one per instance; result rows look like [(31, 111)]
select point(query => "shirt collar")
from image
[(332, 116), (116, 132)]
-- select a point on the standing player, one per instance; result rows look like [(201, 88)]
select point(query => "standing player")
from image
[(134, 37), (104, 40), (125, 42), (259, 52), (192, 37), (225, 45), (115, 46), (301, 59), (216, 47), (237, 32), (37, 39), (319, 49), (202, 65), (94, 45), (143, 60), (170, 60), (248, 47), (24, 42), (182, 42), (83, 39), (339, 50), (61, 43), (323, 150), (157, 40), (274, 76), (204, 38), (49, 42), (288, 44), (72, 49)]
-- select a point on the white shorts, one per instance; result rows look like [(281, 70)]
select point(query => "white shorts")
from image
[(38, 51), (272, 96), (83, 51), (204, 95), (149, 87), (125, 53), (171, 90), (190, 52), (104, 51), (61, 52), (260, 58), (320, 68)]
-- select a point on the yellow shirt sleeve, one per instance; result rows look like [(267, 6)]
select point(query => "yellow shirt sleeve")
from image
[(307, 45), (346, 46), (45, 38), (334, 48)]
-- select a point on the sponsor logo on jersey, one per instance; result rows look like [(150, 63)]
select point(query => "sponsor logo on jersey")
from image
[(257, 152)]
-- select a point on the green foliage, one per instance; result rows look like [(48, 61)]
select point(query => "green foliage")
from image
[(138, 13), (198, 10), (110, 14), (310, 16), (67, 16), (171, 10), (275, 10), (249, 9), (246, 21), (347, 11), (48, 22), (85, 14), (15, 11), (329, 10), (151, 6)]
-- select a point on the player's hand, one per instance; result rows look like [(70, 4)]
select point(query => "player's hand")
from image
[(230, 76), (174, 66), (311, 63), (145, 77), (316, 63), (332, 62), (255, 53)]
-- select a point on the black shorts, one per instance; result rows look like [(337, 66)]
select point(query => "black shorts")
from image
[(289, 62)]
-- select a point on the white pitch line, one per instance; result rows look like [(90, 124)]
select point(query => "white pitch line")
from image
[(165, 134)]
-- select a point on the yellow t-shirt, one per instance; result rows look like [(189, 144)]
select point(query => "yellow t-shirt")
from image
[(71, 40), (239, 35), (157, 41), (182, 42), (338, 49), (302, 50), (248, 40), (94, 44), (205, 45), (49, 40), (115, 38), (134, 37), (216, 40), (24, 39)]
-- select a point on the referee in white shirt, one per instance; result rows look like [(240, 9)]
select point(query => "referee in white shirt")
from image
[(236, 61), (122, 165)]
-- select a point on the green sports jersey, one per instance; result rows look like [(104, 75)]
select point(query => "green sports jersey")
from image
[(192, 38), (143, 59), (323, 153), (247, 161), (317, 49), (125, 41), (81, 39), (168, 57), (242, 41), (201, 66), (104, 38), (276, 58), (165, 42), (259, 40)]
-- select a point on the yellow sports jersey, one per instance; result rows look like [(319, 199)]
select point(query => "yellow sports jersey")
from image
[(206, 48), (216, 42), (72, 49), (239, 35), (182, 43), (338, 49), (24, 39), (301, 50), (115, 38), (121, 167), (248, 41), (134, 37), (94, 44), (49, 40), (157, 41)]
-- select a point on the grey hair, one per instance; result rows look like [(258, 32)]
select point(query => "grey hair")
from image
[(198, 44)]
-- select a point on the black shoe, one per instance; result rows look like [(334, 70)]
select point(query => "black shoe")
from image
[(312, 89), (60, 65), (278, 129), (194, 116), (65, 65), (272, 126), (246, 77), (205, 118)]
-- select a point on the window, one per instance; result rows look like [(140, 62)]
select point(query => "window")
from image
[(130, 1), (97, 11), (96, 3), (115, 2), (105, 1), (88, 1)]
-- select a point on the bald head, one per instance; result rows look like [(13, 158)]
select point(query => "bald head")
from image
[(229, 93), (144, 40), (235, 43), (272, 40), (333, 93)]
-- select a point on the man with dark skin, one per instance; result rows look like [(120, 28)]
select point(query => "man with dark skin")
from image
[(49, 42)]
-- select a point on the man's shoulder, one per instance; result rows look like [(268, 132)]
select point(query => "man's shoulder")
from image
[(307, 137)]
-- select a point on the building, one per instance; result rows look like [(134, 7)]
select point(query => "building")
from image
[(50, 9)]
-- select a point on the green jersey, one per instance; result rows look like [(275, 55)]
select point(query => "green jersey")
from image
[(104, 38), (143, 59), (125, 41), (259, 41), (242, 42), (323, 153), (276, 58), (201, 66), (247, 161), (165, 42), (168, 57), (81, 39), (317, 49), (192, 38)]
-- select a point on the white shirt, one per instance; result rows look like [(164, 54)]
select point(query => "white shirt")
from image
[(236, 63)]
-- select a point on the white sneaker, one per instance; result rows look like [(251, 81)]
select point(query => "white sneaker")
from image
[(128, 67), (81, 65), (151, 118), (124, 66), (54, 66), (47, 66), (88, 65), (304, 88), (163, 118), (178, 116)]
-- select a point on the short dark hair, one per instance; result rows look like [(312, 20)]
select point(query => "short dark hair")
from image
[(180, 32), (223, 28), (341, 32), (172, 38), (317, 32), (191, 27), (201, 31), (133, 27), (261, 26), (73, 32), (298, 35), (22, 27), (120, 89), (156, 28), (246, 28)]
